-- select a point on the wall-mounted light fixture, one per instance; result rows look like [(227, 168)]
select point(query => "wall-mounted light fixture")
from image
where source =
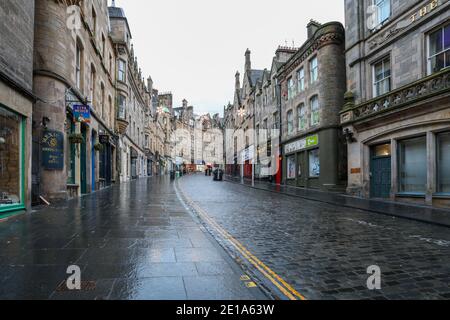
[(349, 136)]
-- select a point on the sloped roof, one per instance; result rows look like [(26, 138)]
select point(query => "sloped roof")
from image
[(255, 76), (116, 12)]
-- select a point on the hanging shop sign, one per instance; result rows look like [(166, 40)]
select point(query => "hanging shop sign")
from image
[(53, 150), (302, 144), (82, 113)]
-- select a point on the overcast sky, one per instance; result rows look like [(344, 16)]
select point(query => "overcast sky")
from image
[(193, 48)]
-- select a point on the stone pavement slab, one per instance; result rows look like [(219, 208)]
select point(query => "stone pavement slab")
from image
[(133, 241)]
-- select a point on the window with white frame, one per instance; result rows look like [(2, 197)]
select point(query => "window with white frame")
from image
[(92, 85), (315, 110), (290, 88), (302, 119), (78, 66), (122, 70), (382, 77), (122, 102), (383, 11), (439, 49), (290, 121), (301, 80), (313, 70)]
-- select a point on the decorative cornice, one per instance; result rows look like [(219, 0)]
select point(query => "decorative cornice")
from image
[(428, 87)]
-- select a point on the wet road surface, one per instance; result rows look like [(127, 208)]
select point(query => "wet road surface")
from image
[(133, 241), (321, 250)]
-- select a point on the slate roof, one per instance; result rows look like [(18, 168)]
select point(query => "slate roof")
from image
[(255, 76), (116, 12)]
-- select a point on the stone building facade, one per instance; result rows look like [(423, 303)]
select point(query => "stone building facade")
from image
[(74, 78), (239, 119), (267, 119), (312, 85), (134, 102), (16, 104), (397, 112)]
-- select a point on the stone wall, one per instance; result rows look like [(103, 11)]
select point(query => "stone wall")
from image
[(16, 32), (406, 46)]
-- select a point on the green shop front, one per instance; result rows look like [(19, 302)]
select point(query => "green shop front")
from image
[(13, 162), (313, 161)]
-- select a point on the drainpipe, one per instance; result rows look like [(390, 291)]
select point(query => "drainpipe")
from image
[(280, 126)]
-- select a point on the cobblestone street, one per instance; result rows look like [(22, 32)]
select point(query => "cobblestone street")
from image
[(322, 250)]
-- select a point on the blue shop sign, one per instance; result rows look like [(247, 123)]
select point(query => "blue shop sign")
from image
[(82, 113)]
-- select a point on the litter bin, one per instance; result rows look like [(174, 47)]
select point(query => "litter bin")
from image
[(218, 175)]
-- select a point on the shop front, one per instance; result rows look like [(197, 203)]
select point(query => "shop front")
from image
[(105, 148), (302, 162), (401, 153), (134, 163), (12, 161)]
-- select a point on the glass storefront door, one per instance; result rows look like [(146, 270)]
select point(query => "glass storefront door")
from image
[(11, 161)]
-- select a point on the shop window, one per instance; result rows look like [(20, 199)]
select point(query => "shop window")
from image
[(315, 111), (70, 129), (413, 165), (11, 166), (291, 167), (382, 77), (443, 165), (439, 50), (314, 163)]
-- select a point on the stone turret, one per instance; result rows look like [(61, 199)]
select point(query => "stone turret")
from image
[(237, 85), (248, 62)]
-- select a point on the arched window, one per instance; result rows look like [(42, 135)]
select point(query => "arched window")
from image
[(102, 89), (79, 65), (92, 85)]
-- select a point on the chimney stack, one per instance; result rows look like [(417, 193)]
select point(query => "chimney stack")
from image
[(312, 27)]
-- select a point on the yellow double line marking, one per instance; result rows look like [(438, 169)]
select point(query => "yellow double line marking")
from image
[(282, 285)]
